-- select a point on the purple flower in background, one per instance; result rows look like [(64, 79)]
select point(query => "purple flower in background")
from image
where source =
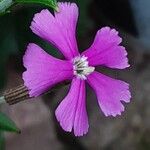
[(44, 71)]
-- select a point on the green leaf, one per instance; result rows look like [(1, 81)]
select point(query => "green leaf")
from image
[(7, 5), (4, 5), (49, 3), (7, 124), (2, 141)]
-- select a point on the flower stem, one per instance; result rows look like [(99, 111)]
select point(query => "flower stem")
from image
[(21, 93), (18, 94)]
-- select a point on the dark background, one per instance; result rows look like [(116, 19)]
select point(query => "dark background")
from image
[(40, 130)]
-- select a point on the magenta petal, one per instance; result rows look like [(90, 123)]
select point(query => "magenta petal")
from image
[(43, 71), (71, 113), (59, 29), (110, 93), (106, 50)]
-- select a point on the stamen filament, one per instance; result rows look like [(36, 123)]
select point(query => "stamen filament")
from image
[(81, 67)]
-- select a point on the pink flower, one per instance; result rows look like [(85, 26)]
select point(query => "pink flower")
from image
[(44, 71)]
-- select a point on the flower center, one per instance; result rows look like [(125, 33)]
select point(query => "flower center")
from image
[(81, 67)]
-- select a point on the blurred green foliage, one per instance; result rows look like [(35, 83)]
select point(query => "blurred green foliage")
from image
[(2, 141), (8, 43), (8, 125)]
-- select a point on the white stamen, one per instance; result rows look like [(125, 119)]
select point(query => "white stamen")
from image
[(88, 70), (81, 67)]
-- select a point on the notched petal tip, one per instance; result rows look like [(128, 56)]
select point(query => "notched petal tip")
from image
[(36, 19), (47, 26), (106, 50), (115, 113), (110, 93), (81, 133), (67, 4), (111, 33), (71, 113), (119, 58)]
